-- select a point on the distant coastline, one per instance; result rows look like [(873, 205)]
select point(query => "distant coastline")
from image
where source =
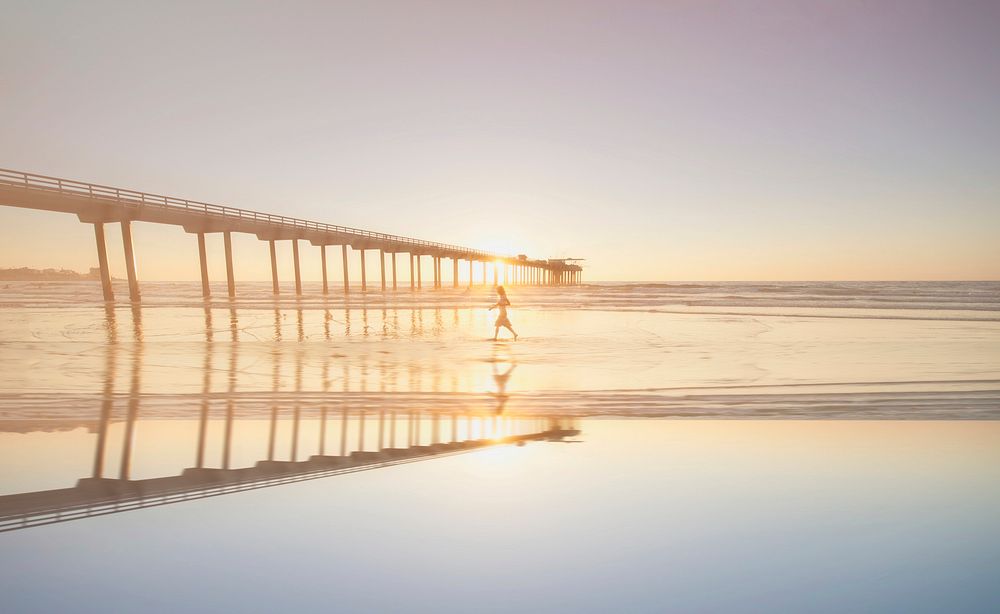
[(29, 274)]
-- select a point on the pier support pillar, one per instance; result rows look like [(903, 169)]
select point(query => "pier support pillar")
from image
[(413, 274), (133, 282), (381, 265), (274, 267), (227, 239), (322, 257), (420, 273), (298, 273), (393, 270), (485, 281), (471, 265), (347, 281), (454, 280), (496, 273), (364, 273), (102, 262), (206, 291)]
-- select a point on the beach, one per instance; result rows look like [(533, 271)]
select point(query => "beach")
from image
[(661, 433)]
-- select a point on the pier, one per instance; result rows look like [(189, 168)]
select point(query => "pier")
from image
[(99, 205)]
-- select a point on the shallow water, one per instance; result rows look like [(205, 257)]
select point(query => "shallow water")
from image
[(839, 449)]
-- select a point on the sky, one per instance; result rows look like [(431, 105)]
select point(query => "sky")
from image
[(682, 140)]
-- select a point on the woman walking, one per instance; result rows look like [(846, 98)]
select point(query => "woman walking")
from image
[(502, 320)]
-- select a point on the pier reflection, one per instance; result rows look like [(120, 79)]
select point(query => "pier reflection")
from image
[(238, 440)]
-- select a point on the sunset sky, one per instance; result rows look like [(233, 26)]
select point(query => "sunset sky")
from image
[(658, 140)]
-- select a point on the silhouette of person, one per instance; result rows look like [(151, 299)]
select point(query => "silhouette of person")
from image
[(502, 319)]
